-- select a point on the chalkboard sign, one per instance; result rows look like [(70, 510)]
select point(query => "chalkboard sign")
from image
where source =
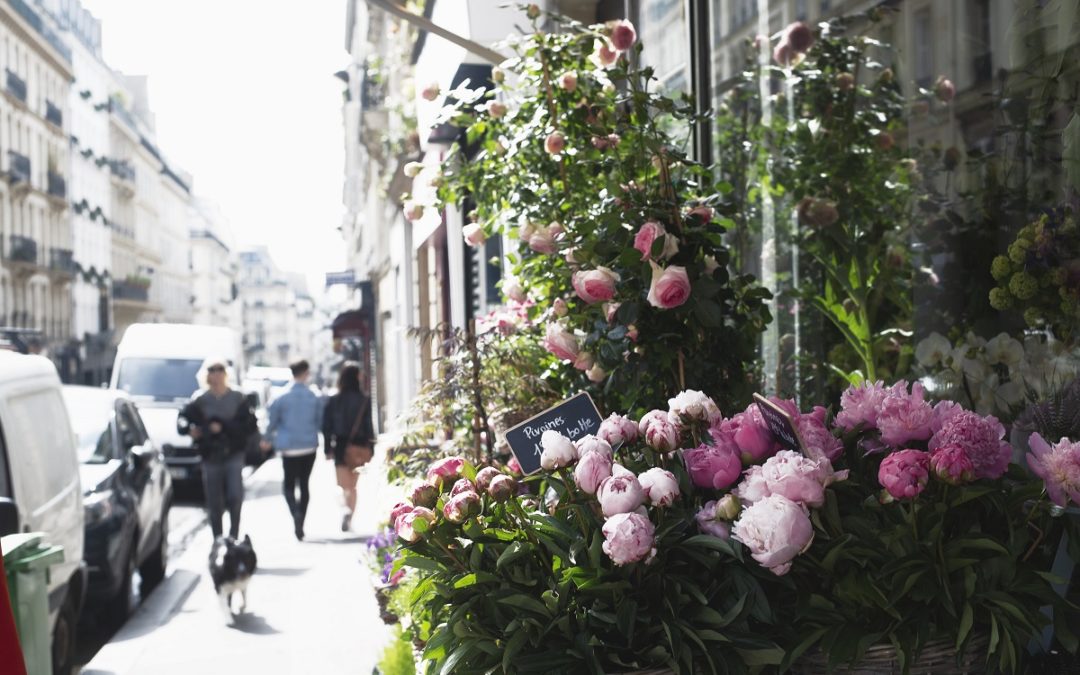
[(574, 418), (780, 424)]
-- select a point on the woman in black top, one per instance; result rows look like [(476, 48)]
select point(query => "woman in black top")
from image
[(347, 420)]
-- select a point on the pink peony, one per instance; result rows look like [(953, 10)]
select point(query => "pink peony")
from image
[(904, 417), (694, 405), (904, 473), (859, 406), (662, 435), (816, 437), (425, 494), (623, 35), (943, 412), (628, 538), (621, 493), (484, 477), (1059, 467), (474, 234), (711, 522), (561, 342), (461, 506), (400, 509), (591, 443), (502, 488), (596, 285), (751, 435), (406, 524), (753, 487), (670, 287), (713, 467), (980, 438), (649, 418), (617, 430), (951, 464), (799, 478), (462, 485), (554, 143), (661, 487), (592, 469), (558, 450), (446, 471), (776, 530), (568, 81)]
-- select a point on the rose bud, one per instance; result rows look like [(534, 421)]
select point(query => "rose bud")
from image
[(532, 11), (554, 143), (568, 81), (474, 234), (502, 488), (604, 55), (799, 37), (623, 35), (424, 494)]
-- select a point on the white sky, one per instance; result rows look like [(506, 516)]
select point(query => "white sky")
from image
[(245, 100)]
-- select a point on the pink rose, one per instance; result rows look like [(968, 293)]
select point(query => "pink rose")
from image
[(408, 526), (484, 477), (502, 488), (621, 493), (628, 538), (559, 307), (591, 443), (904, 417), (859, 406), (430, 92), (702, 213), (558, 450), (512, 289), (713, 467), (1059, 467), (944, 89), (980, 438), (592, 469), (660, 486), (462, 485), (474, 234), (461, 506), (617, 430), (412, 210), (951, 464), (583, 361), (694, 405), (604, 55), (662, 436), (670, 287), (542, 241), (446, 471), (904, 473), (646, 235), (776, 530), (610, 308), (554, 143), (496, 109), (561, 342), (425, 494), (623, 35), (595, 285), (710, 521), (568, 81)]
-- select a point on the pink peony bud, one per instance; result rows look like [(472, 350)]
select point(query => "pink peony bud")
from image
[(621, 493), (629, 538), (461, 506), (670, 287), (617, 430), (496, 109), (484, 477), (430, 92), (623, 35), (554, 143), (399, 509), (713, 467), (424, 494), (446, 471), (661, 486), (502, 488), (592, 469), (408, 525), (595, 285), (462, 485), (662, 435), (951, 464), (474, 234), (568, 81), (558, 450), (904, 473), (592, 443)]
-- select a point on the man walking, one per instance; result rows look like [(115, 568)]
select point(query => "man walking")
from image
[(295, 417)]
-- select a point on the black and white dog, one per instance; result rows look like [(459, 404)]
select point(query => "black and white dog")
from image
[(232, 563)]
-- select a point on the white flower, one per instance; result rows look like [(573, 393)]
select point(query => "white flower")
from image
[(933, 349), (1005, 350), (559, 451), (693, 405)]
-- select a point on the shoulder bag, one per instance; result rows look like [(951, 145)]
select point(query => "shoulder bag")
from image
[(357, 454)]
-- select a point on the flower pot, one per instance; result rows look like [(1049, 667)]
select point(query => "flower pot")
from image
[(938, 657)]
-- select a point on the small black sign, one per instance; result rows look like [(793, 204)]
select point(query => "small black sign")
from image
[(574, 418), (780, 424)]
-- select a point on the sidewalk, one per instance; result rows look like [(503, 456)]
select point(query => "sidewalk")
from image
[(310, 605)]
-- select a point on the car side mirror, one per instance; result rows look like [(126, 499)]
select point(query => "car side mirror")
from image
[(9, 517)]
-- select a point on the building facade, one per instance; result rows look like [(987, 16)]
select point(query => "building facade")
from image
[(215, 294), (278, 313)]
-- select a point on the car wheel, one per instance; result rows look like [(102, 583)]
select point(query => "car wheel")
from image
[(63, 638), (152, 571), (119, 607)]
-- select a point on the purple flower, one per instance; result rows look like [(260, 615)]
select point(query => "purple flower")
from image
[(904, 473), (1059, 467)]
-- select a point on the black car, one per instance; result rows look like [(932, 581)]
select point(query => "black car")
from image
[(127, 494)]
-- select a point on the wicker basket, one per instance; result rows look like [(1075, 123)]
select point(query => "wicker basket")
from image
[(938, 657)]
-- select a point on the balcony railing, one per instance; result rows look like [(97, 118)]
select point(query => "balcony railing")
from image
[(372, 92), (62, 260), (57, 185), (129, 290), (122, 170), (982, 68), (117, 108), (18, 167), (31, 17), (16, 86), (53, 114), (22, 249)]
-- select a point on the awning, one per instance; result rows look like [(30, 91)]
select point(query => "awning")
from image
[(424, 23), (351, 324)]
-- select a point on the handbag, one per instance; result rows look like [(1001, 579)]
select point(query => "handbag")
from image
[(356, 454)]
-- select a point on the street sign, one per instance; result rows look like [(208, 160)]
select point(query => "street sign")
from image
[(574, 418), (780, 424), (347, 278)]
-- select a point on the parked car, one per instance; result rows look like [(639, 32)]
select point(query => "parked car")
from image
[(127, 494), (158, 365), (40, 488)]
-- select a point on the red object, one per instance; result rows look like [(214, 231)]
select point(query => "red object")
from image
[(11, 656)]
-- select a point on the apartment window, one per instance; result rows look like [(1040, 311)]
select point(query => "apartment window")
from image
[(800, 10), (979, 20), (742, 12), (825, 6), (924, 48)]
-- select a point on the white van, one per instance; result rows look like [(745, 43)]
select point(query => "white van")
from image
[(158, 365), (39, 484)]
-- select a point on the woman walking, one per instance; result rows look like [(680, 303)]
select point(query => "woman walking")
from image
[(294, 431), (348, 433), (220, 421)]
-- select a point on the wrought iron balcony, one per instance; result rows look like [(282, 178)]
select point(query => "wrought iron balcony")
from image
[(983, 68), (131, 290), (57, 185), (16, 86), (18, 168), (62, 260), (53, 114), (22, 249), (372, 92), (122, 170), (31, 17)]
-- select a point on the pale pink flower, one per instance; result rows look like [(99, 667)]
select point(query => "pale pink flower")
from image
[(1059, 467), (713, 467), (446, 470), (512, 289), (461, 506), (859, 406), (542, 241), (554, 143), (776, 530), (592, 469), (462, 485), (904, 473), (660, 485), (621, 493), (484, 477), (604, 55), (474, 234), (623, 35), (694, 405), (650, 417), (595, 285), (670, 287), (753, 487), (609, 310), (559, 307), (502, 488), (904, 416), (583, 361), (591, 443), (943, 412), (412, 210), (799, 478), (629, 538), (662, 435), (617, 430), (561, 342), (646, 235), (406, 526), (558, 450), (568, 81), (399, 509)]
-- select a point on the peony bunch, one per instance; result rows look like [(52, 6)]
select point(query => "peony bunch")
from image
[(1059, 467)]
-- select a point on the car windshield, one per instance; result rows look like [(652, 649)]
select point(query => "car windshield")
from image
[(161, 379), (278, 383), (91, 417)]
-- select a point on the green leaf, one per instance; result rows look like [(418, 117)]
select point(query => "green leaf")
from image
[(526, 603), (966, 620), (512, 553), (420, 562), (761, 657), (513, 646)]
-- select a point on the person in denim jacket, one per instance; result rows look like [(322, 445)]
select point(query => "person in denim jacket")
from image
[(295, 418)]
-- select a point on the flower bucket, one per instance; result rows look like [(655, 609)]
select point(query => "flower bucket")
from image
[(938, 657)]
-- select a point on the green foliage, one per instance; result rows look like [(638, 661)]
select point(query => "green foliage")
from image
[(397, 658)]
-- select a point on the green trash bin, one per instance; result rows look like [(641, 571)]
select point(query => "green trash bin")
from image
[(27, 562)]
